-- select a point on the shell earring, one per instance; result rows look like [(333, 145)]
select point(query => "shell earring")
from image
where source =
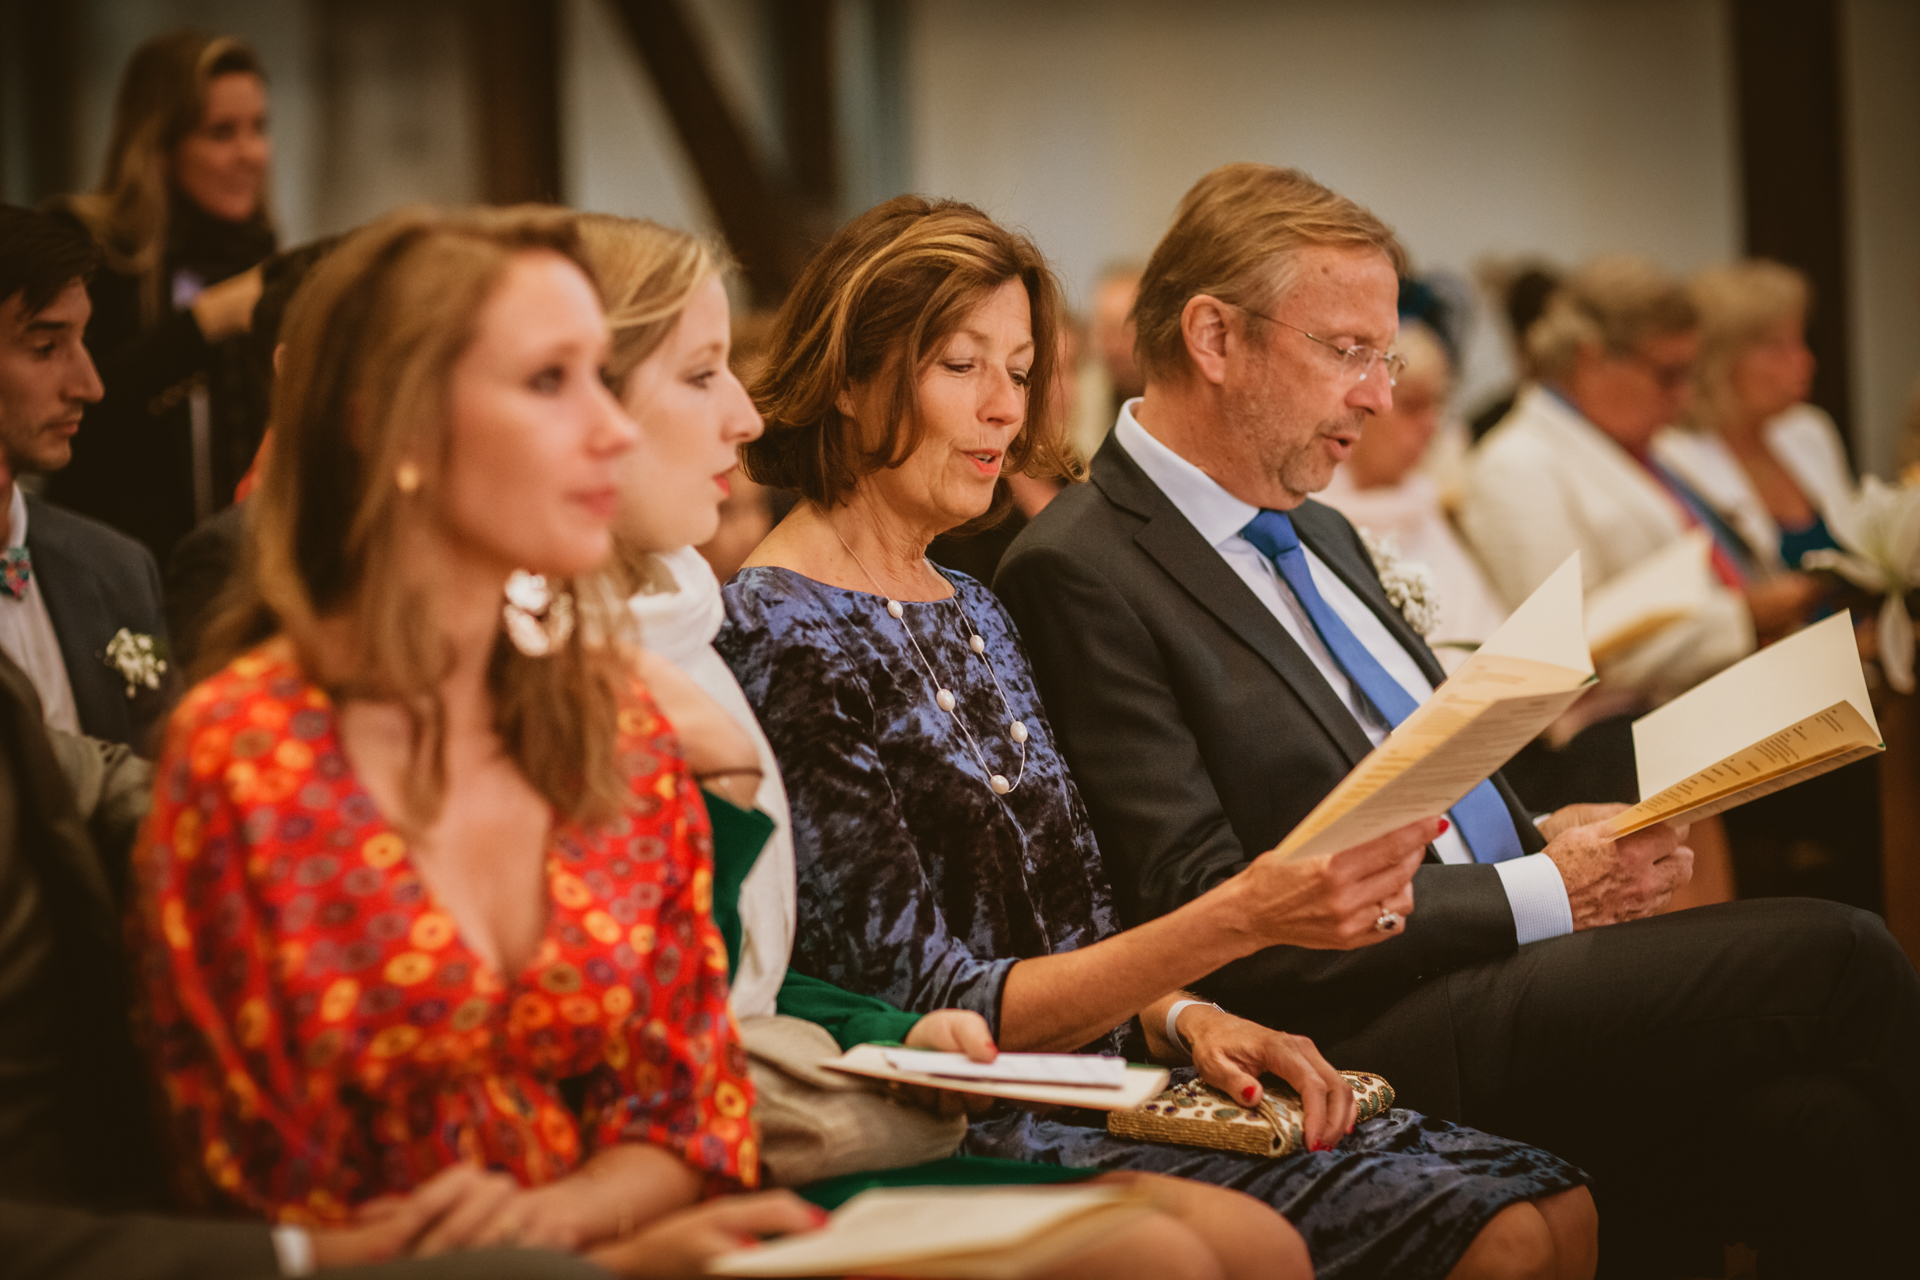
[(539, 619), (406, 478)]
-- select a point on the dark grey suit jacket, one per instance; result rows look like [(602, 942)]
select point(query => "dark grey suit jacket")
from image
[(95, 581), (1200, 734)]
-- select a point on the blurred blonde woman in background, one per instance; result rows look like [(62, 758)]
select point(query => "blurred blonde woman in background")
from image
[(1770, 463)]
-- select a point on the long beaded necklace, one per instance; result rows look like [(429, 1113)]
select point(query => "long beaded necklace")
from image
[(943, 696)]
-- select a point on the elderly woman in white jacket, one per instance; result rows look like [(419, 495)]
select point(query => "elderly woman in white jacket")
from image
[(1570, 469)]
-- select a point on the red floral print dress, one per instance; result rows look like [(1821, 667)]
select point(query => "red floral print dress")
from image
[(325, 1036)]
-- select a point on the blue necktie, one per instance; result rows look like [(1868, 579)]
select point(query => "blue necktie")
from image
[(1485, 824)]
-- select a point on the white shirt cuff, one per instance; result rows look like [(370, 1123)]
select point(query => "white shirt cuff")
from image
[(293, 1246), (1538, 897)]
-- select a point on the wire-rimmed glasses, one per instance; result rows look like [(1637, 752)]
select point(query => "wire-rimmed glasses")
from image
[(1358, 357)]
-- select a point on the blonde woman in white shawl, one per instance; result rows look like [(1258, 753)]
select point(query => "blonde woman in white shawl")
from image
[(668, 313)]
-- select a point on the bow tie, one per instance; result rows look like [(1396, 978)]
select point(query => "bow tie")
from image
[(16, 570)]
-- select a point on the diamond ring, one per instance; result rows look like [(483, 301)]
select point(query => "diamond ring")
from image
[(1389, 920)]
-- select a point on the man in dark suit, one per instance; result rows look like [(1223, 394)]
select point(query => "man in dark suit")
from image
[(1216, 651), (80, 607)]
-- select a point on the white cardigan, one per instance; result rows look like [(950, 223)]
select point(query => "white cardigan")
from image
[(1546, 483), (1803, 440), (680, 626)]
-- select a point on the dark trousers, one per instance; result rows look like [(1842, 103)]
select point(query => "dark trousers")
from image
[(1747, 1072)]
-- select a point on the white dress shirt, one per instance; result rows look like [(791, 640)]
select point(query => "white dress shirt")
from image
[(26, 633), (1534, 888)]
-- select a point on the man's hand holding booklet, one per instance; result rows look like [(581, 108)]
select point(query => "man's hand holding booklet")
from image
[(1788, 713)]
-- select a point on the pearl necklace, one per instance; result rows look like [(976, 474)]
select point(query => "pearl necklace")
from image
[(943, 696)]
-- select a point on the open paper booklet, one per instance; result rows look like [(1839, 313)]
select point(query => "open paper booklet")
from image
[(1790, 712), (1104, 1084), (981, 1233), (1512, 687), (1655, 593)]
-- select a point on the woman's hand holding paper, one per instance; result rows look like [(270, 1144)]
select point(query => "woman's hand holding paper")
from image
[(949, 1031), (1335, 902)]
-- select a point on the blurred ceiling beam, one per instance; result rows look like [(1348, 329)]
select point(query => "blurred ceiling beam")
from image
[(43, 58), (516, 59), (1792, 156), (804, 35), (764, 215)]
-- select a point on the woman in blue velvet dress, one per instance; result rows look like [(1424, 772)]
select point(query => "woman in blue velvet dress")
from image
[(944, 856)]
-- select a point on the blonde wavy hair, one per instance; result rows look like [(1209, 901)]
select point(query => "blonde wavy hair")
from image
[(1614, 303), (161, 99), (371, 340), (647, 275), (1739, 305)]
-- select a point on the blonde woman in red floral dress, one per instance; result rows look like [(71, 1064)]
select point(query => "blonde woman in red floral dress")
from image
[(424, 894)]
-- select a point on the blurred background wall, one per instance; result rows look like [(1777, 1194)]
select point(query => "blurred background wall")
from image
[(1690, 130)]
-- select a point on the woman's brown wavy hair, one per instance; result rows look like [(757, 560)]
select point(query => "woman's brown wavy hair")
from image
[(371, 340), (877, 302)]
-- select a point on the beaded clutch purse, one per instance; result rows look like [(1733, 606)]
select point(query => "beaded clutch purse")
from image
[(1196, 1114)]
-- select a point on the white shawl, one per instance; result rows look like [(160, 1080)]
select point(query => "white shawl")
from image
[(680, 625)]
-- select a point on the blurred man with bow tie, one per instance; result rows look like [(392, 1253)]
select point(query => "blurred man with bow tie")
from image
[(68, 586)]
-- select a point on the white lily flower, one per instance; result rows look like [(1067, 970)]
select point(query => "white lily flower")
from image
[(1879, 533)]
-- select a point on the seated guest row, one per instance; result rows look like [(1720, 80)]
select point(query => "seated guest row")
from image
[(416, 895)]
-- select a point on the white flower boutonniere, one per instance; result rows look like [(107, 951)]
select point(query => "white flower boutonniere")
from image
[(1409, 583), (137, 659)]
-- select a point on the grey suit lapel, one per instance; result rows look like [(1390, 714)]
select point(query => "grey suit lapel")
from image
[(1173, 543), (78, 612)]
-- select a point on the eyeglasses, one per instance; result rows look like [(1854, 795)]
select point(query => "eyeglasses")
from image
[(1668, 377), (1361, 358)]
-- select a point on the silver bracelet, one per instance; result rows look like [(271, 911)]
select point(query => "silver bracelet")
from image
[(1173, 1017)]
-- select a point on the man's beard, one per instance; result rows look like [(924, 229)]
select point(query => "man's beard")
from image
[(1304, 468)]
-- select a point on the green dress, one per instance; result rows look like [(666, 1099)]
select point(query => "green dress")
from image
[(738, 837)]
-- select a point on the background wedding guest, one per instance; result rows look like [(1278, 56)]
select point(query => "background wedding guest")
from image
[(204, 561), (1522, 290), (945, 857), (1570, 470), (479, 841), (1769, 463), (1382, 491), (182, 217), (76, 598), (1107, 375)]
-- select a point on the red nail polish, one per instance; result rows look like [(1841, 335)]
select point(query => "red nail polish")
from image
[(1444, 825), (1249, 1093), (820, 1216)]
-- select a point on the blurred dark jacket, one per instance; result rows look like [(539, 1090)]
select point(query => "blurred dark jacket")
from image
[(132, 462), (74, 1125)]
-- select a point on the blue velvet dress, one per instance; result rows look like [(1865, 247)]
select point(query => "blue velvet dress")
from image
[(919, 885)]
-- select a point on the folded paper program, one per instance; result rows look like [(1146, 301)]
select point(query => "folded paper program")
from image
[(1513, 687), (982, 1233), (1136, 1083), (1082, 1069), (1793, 711)]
